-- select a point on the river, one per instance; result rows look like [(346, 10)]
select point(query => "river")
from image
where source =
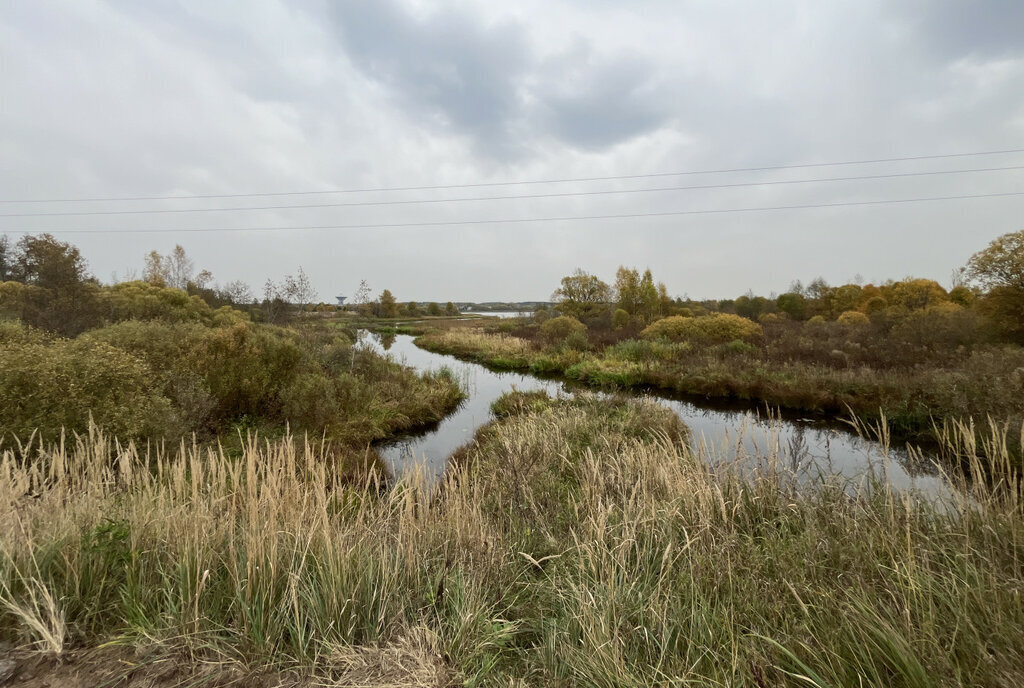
[(811, 447)]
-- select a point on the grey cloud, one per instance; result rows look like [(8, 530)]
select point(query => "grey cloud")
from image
[(954, 29), (465, 73), (484, 81), (109, 98), (606, 103)]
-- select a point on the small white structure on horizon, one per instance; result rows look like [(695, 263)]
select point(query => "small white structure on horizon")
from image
[(341, 300)]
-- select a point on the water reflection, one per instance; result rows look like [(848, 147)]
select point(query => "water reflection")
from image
[(812, 449)]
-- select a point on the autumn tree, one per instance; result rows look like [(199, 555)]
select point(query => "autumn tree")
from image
[(175, 270), (999, 265), (627, 290), (999, 270), (6, 259), (793, 304), (387, 306), (181, 269), (915, 294), (61, 296), (362, 299), (155, 270), (582, 295), (282, 299), (451, 309), (235, 292), (649, 297), (433, 309)]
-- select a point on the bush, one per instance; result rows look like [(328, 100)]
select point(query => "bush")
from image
[(876, 304), (145, 301), (50, 385), (738, 347), (962, 296), (246, 367), (559, 330), (853, 319), (620, 319), (710, 329), (945, 325), (166, 348), (647, 351)]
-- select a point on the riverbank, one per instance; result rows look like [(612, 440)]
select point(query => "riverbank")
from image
[(573, 543), (985, 384)]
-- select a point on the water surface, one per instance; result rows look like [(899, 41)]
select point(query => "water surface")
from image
[(812, 447)]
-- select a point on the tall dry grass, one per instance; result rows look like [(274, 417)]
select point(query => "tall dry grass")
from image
[(575, 543)]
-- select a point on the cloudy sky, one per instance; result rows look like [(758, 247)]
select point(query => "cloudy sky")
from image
[(105, 99)]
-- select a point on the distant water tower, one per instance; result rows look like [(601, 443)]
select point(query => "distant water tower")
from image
[(341, 300)]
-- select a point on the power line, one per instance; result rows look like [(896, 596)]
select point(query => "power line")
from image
[(764, 168), (454, 223), (565, 194)]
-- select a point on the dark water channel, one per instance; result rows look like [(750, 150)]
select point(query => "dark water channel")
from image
[(720, 433)]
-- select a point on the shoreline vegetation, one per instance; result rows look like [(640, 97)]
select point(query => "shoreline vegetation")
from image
[(574, 542), (916, 404), (910, 352)]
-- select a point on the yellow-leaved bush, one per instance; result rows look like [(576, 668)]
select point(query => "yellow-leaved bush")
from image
[(709, 329), (47, 385)]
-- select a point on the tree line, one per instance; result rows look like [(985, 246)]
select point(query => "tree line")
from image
[(990, 285)]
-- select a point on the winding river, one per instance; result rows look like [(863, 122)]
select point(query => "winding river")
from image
[(811, 447)]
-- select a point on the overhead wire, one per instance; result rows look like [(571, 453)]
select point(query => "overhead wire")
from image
[(762, 168), (564, 194), (455, 223)]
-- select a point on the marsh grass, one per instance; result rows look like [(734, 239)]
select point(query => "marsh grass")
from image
[(573, 543), (913, 397)]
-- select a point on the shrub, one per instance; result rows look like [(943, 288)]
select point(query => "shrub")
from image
[(165, 348), (63, 383), (793, 304), (12, 331), (962, 296), (620, 319), (915, 294), (738, 347), (246, 367), (145, 301), (945, 325), (853, 319), (711, 329), (559, 330), (875, 304), (647, 350), (766, 318)]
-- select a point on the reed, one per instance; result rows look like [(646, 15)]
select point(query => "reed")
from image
[(572, 543)]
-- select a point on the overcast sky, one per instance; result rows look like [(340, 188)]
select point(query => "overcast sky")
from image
[(158, 98)]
